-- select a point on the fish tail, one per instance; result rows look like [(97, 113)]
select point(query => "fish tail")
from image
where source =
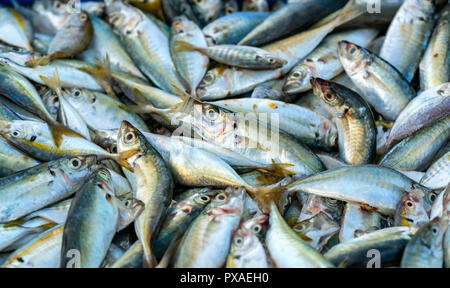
[(280, 170), (39, 62), (350, 11), (264, 195), (183, 46), (149, 258), (122, 161), (54, 83)]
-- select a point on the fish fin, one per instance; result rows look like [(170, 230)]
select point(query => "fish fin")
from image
[(165, 260), (39, 62), (183, 46), (264, 195), (58, 131), (279, 170), (54, 83), (350, 11), (121, 159), (102, 74)]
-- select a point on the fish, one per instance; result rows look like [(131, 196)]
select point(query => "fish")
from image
[(246, 250), (190, 65), (424, 250), (434, 67), (287, 249), (410, 212), (382, 85), (375, 187), (353, 118), (73, 37), (95, 215), (230, 29), (154, 184), (27, 191), (206, 11), (214, 225), (416, 151), (408, 35), (438, 174), (422, 111)]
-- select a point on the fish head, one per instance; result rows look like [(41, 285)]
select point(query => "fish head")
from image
[(130, 143), (410, 210), (429, 195), (230, 202), (256, 226), (255, 5), (21, 131), (213, 84), (230, 7), (330, 207), (75, 170), (329, 94), (351, 56), (17, 54), (129, 210), (206, 10), (433, 232), (181, 25), (107, 139), (298, 80), (269, 60), (122, 17), (77, 97)]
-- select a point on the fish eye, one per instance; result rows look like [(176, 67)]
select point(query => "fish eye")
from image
[(434, 230), (221, 197), (208, 78), (432, 197), (83, 17), (329, 96), (296, 74), (257, 228), (204, 198), (130, 137), (16, 133), (298, 228), (271, 60), (76, 93), (212, 114), (352, 50), (238, 241), (114, 149), (75, 163), (409, 204)]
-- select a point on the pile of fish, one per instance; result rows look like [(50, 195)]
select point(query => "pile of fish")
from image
[(208, 133)]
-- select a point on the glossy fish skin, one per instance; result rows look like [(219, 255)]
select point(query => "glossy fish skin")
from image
[(287, 249), (353, 118), (223, 82), (232, 28), (410, 212), (27, 191), (363, 184), (240, 56), (56, 212), (438, 174), (246, 249), (190, 65), (416, 151), (13, 160), (100, 111), (69, 117), (146, 44), (290, 18), (154, 184), (408, 35), (434, 67), (179, 217), (73, 37), (36, 139), (307, 126), (206, 11), (11, 234), (323, 62), (382, 86), (207, 241), (389, 241), (358, 221), (425, 248), (422, 111), (95, 215), (13, 29), (105, 42), (42, 252)]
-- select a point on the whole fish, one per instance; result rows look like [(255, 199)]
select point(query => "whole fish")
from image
[(305, 125), (287, 249), (207, 241), (179, 217), (390, 242), (190, 65), (438, 174), (27, 191), (94, 217), (42, 252), (382, 85), (408, 35), (425, 248), (416, 151), (323, 62), (232, 28), (73, 37), (246, 249), (154, 184), (374, 187), (422, 111), (227, 82), (434, 67), (240, 56), (353, 118), (147, 45), (14, 29), (290, 18), (206, 11)]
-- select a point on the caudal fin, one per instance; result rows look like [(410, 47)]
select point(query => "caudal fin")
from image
[(264, 195), (182, 46), (279, 169)]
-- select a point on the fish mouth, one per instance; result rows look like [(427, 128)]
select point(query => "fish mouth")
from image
[(319, 84), (292, 87)]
